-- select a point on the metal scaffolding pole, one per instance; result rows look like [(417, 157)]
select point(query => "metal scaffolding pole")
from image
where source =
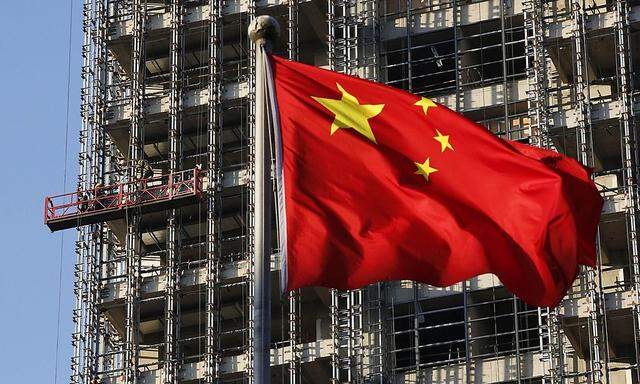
[(629, 160), (80, 343), (346, 308), (214, 147), (250, 245), (376, 355), (132, 241), (293, 365), (508, 127), (585, 152), (550, 335), (458, 107), (172, 292), (96, 173), (407, 30), (535, 63)]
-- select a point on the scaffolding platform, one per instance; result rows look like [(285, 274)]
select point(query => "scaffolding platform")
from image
[(113, 201)]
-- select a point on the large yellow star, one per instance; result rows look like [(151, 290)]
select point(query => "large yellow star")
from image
[(425, 169), (350, 113), (425, 104), (443, 140)]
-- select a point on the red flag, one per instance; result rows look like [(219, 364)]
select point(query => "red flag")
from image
[(380, 184)]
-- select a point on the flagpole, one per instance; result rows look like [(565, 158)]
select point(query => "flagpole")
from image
[(263, 31)]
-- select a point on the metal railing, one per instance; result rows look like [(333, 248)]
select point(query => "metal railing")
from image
[(123, 195)]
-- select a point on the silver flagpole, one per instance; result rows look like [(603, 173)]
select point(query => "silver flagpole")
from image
[(263, 31)]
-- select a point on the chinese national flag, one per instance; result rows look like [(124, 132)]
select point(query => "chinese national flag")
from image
[(380, 184)]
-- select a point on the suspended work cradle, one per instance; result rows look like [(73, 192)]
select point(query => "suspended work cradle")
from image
[(111, 202)]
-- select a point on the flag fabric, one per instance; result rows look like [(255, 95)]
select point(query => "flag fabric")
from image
[(377, 184)]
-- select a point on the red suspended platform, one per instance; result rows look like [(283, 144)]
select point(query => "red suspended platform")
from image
[(113, 201)]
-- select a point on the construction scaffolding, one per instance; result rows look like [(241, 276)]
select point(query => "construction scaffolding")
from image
[(165, 292)]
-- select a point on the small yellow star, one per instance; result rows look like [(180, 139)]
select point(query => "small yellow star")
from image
[(443, 140), (425, 104), (349, 113), (425, 169)]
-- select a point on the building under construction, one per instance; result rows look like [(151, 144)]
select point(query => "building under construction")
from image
[(164, 278)]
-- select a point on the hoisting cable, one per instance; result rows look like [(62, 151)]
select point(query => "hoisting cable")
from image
[(64, 185)]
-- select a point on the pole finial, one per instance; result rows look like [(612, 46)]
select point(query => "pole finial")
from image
[(264, 28)]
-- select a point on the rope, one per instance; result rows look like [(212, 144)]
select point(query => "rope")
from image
[(64, 184)]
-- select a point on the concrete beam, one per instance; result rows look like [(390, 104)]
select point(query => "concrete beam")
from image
[(439, 19), (154, 107), (615, 200), (495, 370), (488, 96), (195, 16), (307, 352), (606, 19), (403, 291), (614, 300), (194, 278)]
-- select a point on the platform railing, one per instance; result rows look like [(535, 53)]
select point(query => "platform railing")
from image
[(124, 195)]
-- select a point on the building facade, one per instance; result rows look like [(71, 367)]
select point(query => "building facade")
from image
[(166, 296)]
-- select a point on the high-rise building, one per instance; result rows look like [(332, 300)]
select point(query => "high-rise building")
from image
[(164, 280)]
